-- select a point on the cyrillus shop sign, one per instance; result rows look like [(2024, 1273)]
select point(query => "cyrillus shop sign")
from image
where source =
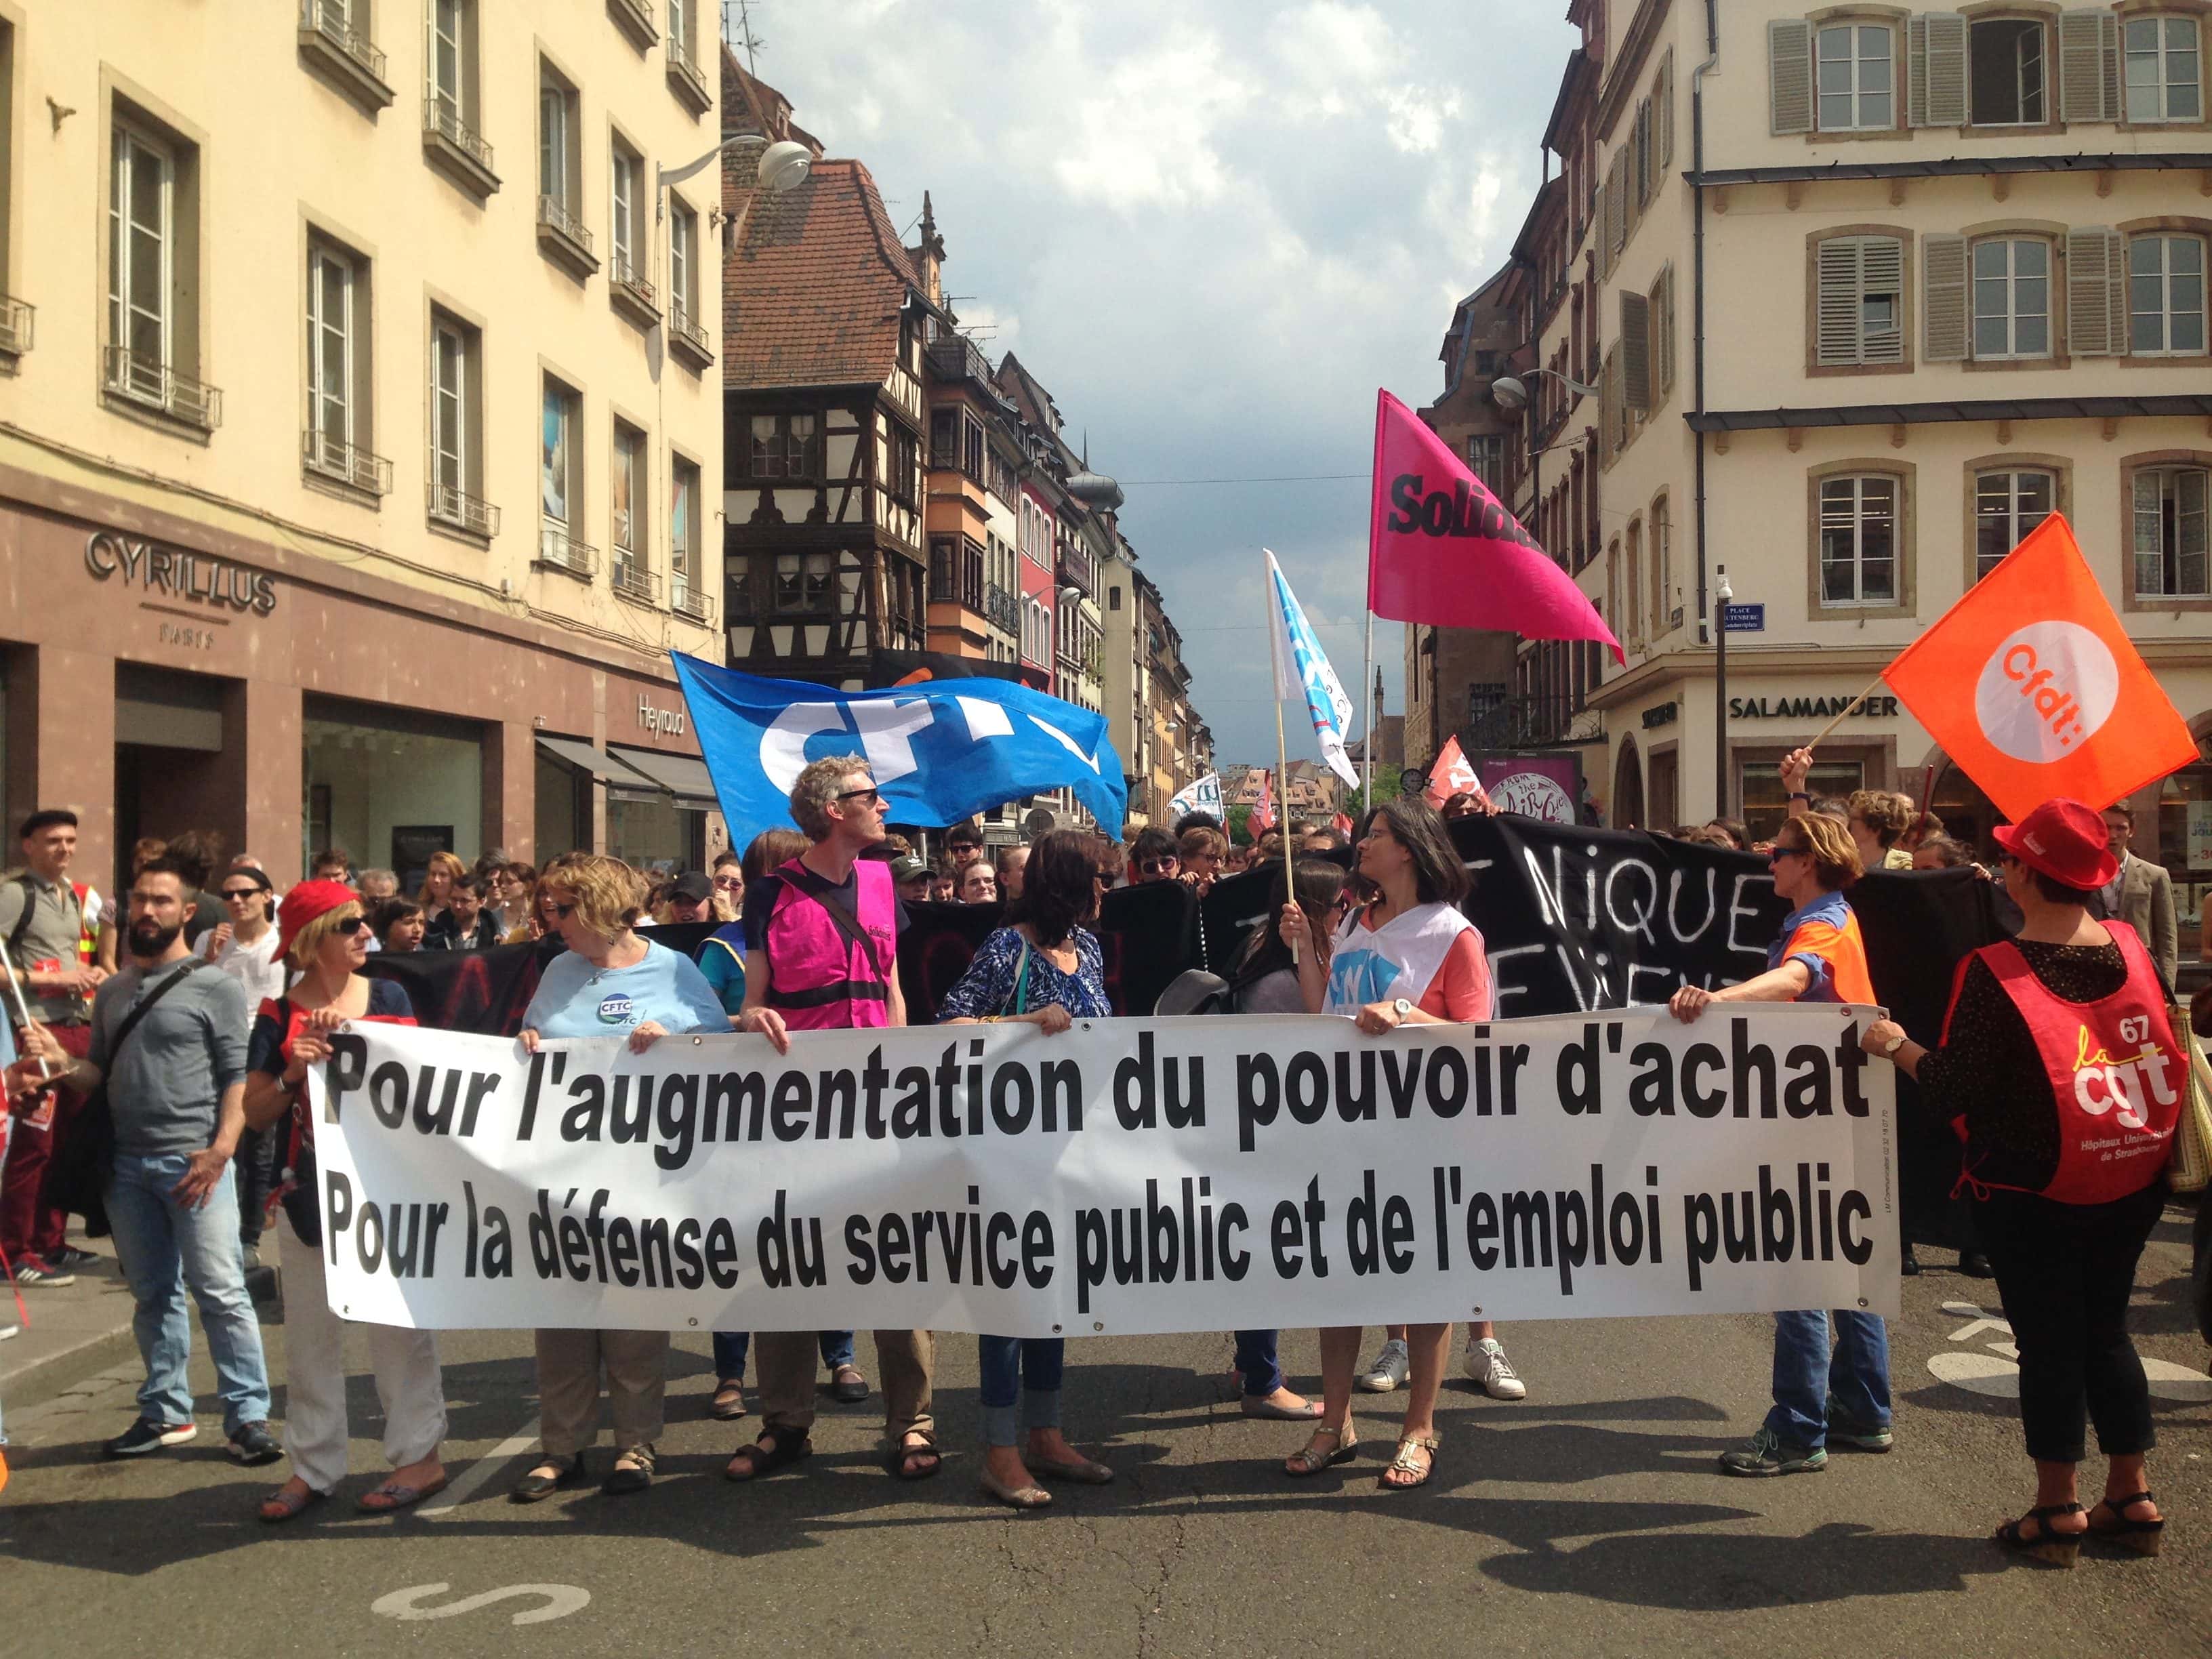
[(198, 576)]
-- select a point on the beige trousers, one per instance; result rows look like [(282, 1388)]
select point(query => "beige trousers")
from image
[(787, 1363), (568, 1367)]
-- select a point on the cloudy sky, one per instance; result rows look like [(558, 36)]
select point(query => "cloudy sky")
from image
[(1211, 230)]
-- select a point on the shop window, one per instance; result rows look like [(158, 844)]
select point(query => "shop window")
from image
[(2006, 70), (1859, 540), (2006, 505), (1764, 799), (2164, 70), (391, 785), (2170, 533), (2185, 847), (2165, 295)]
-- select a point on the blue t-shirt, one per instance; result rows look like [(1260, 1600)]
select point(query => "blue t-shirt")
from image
[(722, 960), (576, 1000), (989, 986)]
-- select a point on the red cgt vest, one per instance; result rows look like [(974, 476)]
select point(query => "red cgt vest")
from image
[(2117, 1077), (823, 975)]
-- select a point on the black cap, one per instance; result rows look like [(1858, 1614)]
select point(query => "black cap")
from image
[(693, 886)]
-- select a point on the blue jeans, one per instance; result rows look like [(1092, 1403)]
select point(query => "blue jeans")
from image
[(1808, 1373), (166, 1248), (1256, 1358), (731, 1348), (1024, 1367)]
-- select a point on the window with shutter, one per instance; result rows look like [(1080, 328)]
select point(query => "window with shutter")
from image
[(1790, 75), (1616, 206), (2088, 69), (1858, 307), (1857, 77), (1662, 103), (1635, 350), (2007, 71), (1643, 154), (2164, 70), (2166, 296), (1936, 94), (2096, 316), (1943, 299), (2012, 298), (1662, 332)]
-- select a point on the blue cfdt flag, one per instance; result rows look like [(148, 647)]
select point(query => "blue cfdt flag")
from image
[(940, 752), (1302, 670)]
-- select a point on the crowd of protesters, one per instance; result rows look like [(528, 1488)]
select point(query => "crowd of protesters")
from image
[(194, 1007)]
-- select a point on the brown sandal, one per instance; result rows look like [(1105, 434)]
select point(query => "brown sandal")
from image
[(1403, 1463), (1307, 1460), (923, 1451)]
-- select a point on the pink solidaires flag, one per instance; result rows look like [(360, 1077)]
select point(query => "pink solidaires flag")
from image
[(1440, 550)]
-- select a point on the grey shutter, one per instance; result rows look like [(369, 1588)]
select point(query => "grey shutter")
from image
[(1664, 106), (1790, 75), (1836, 302), (1635, 350), (1619, 185), (1666, 331), (2096, 292), (1943, 301), (1882, 271), (1936, 69), (2085, 91)]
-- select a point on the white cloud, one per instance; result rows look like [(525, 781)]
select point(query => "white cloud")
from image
[(1212, 231)]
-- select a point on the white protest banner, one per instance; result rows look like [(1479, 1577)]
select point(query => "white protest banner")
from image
[(1126, 1176)]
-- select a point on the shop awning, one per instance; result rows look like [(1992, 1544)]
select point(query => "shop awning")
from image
[(601, 765), (684, 777)]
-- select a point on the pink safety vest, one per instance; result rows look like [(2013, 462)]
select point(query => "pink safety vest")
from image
[(2116, 1076), (820, 978)]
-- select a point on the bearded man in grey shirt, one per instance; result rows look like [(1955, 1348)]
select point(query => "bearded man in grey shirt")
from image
[(176, 1091)]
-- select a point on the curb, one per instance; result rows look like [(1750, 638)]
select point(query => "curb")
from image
[(33, 1382)]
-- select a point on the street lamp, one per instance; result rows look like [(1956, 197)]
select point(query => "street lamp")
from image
[(783, 166), (1721, 595), (1509, 393)]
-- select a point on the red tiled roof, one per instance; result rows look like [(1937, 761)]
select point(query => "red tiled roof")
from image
[(812, 291)]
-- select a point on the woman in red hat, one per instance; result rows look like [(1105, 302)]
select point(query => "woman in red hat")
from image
[(2059, 1068), (322, 933)]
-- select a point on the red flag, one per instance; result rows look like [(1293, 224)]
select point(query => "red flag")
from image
[(1449, 774), (2032, 686), (1343, 821), (1261, 818), (1440, 549)]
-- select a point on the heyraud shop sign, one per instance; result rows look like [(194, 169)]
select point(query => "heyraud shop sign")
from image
[(200, 577)]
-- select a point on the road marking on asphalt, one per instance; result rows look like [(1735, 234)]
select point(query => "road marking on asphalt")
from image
[(474, 1477), (561, 1600), (1996, 1371)]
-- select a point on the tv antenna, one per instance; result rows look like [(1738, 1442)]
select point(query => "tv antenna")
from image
[(743, 35)]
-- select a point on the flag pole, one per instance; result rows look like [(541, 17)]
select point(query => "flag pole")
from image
[(1282, 742), (1367, 718), (1844, 713)]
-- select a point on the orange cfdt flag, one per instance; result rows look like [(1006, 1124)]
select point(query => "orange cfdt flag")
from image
[(2030, 684)]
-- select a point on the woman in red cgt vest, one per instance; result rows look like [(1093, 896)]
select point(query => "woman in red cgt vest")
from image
[(2059, 1071)]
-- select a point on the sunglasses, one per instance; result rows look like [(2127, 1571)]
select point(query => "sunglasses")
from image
[(1776, 854), (1158, 866), (729, 883), (233, 893), (563, 911), (870, 797), (350, 925)]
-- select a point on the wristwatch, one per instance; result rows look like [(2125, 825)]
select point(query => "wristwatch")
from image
[(1890, 1047), (1401, 1008)]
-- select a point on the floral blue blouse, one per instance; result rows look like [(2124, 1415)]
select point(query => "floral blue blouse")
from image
[(987, 986)]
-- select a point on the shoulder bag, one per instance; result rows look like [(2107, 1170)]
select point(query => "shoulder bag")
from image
[(78, 1178)]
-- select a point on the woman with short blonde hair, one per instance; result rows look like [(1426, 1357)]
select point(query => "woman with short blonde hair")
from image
[(609, 981), (438, 883)]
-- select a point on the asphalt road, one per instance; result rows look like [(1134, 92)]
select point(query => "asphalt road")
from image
[(1586, 1520)]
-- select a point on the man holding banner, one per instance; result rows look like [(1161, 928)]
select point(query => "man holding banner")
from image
[(822, 954)]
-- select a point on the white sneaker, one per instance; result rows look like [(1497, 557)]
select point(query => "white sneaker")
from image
[(1492, 1371), (1390, 1372)]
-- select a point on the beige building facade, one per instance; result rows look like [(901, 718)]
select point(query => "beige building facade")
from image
[(1861, 300), (360, 424)]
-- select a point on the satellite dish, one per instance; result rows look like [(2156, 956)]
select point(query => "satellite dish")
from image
[(1037, 823)]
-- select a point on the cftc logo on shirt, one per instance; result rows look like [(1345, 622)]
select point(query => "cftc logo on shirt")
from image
[(615, 1011)]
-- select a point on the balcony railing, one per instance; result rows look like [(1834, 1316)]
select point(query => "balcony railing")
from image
[(685, 330), (560, 550), (632, 578), (631, 285), (158, 386), (688, 602), (1073, 574), (955, 357), (686, 76), (16, 318), (565, 235), (635, 18), (328, 18), (1002, 610), (1524, 721), (332, 456), (442, 117), (463, 511)]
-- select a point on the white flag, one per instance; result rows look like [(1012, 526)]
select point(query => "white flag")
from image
[(1302, 670), (1202, 796)]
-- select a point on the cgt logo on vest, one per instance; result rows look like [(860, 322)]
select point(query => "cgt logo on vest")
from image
[(1459, 513), (2102, 1084), (2045, 690)]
